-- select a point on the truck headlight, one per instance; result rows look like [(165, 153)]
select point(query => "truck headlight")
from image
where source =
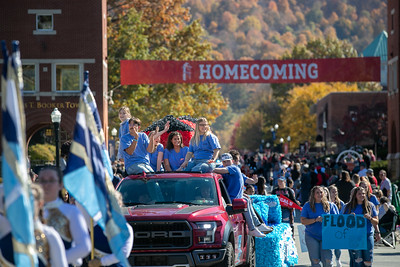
[(205, 232)]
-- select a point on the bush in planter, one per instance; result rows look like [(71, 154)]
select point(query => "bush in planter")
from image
[(379, 165), (41, 153)]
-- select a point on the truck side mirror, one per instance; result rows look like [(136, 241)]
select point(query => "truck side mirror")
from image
[(239, 205)]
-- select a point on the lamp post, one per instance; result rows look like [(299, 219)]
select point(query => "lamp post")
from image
[(281, 141), (114, 133), (56, 120), (288, 140), (325, 125), (273, 132)]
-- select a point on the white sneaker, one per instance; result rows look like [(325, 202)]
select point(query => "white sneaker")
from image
[(338, 263), (255, 232), (265, 229)]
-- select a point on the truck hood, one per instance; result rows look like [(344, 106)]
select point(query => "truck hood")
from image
[(171, 211)]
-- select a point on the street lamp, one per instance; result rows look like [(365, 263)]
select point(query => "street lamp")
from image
[(325, 125), (281, 141), (288, 140), (114, 133), (273, 132), (56, 120)]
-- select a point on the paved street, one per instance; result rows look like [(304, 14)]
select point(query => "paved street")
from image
[(383, 256)]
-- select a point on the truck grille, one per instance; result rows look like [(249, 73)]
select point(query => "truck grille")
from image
[(161, 234)]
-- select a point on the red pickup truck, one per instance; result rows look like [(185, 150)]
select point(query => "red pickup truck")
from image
[(185, 219)]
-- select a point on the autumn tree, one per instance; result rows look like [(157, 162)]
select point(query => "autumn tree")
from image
[(297, 121), (256, 122), (159, 30)]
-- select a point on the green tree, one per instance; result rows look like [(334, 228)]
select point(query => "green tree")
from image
[(150, 29)]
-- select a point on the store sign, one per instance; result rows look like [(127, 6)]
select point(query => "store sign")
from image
[(256, 71)]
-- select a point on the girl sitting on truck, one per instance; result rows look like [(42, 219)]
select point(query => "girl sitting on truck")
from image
[(203, 149)]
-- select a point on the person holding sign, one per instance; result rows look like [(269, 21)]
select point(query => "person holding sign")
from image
[(311, 217), (334, 195), (359, 204)]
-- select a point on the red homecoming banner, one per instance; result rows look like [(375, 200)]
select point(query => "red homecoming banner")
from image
[(256, 71), (287, 203)]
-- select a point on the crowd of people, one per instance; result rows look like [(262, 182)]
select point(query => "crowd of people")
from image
[(319, 186)]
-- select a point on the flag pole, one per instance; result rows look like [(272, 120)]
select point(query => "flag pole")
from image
[(92, 238)]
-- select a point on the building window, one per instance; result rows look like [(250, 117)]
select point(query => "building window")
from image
[(68, 77), (29, 76), (44, 22)]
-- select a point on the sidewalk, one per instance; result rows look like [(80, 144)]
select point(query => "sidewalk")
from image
[(383, 256)]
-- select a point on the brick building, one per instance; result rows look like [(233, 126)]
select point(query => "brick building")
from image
[(59, 40), (393, 88), (333, 110)]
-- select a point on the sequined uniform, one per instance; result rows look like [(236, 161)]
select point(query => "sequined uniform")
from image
[(68, 221)]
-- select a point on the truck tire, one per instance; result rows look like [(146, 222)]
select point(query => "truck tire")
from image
[(251, 254), (229, 260)]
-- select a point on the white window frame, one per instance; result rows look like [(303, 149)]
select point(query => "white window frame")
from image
[(44, 12), (37, 78), (54, 77)]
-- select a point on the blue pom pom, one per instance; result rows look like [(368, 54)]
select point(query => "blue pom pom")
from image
[(278, 247)]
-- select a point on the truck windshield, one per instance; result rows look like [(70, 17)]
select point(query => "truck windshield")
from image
[(193, 191)]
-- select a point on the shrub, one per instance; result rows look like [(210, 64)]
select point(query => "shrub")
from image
[(41, 152)]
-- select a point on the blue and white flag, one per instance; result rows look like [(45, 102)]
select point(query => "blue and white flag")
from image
[(17, 192), (88, 174)]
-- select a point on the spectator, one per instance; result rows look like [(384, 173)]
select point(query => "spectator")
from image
[(175, 153), (311, 217), (386, 185), (356, 179), (372, 155), (344, 186), (305, 185), (367, 158), (363, 169), (283, 190), (65, 147), (372, 179), (261, 186), (203, 148), (249, 190), (359, 204)]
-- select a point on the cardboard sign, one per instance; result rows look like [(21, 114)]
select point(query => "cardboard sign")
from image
[(251, 71), (344, 231), (287, 203)]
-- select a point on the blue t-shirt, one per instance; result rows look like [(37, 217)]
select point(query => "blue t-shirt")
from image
[(123, 128), (315, 229), (140, 155), (154, 156), (359, 210), (234, 182), (205, 149), (175, 159), (374, 200)]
